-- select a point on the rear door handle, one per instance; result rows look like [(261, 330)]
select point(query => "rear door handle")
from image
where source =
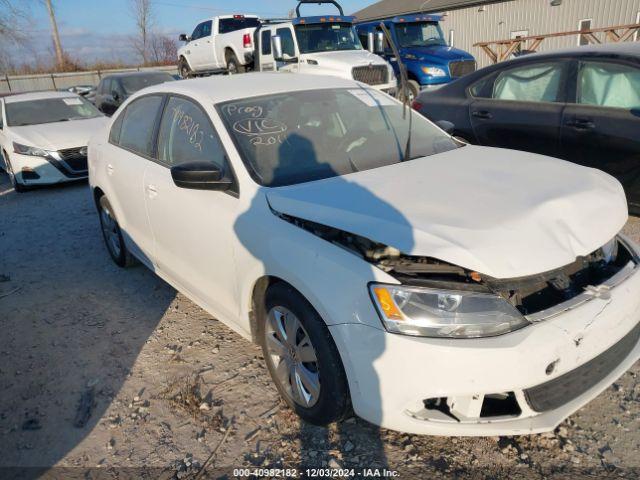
[(581, 124), (152, 192), (482, 114), (110, 169)]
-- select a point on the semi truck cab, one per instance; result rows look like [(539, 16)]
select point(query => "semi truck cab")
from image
[(429, 60), (321, 45)]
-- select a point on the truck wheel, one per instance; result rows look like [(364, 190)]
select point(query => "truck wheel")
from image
[(183, 68), (233, 65), (414, 91)]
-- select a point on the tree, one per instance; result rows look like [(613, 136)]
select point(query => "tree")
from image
[(56, 36), (11, 33), (163, 50), (142, 13)]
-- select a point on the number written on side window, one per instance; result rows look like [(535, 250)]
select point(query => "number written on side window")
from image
[(609, 85), (136, 133), (186, 135)]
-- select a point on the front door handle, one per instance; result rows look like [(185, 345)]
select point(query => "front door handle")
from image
[(109, 169), (152, 192), (484, 114), (581, 124)]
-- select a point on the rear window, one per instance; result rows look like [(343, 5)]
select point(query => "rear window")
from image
[(228, 25), (138, 82)]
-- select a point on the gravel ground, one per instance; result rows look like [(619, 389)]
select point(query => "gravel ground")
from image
[(107, 369)]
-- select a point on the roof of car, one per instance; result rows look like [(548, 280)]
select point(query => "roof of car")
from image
[(218, 89), (621, 48), (25, 97), (135, 74)]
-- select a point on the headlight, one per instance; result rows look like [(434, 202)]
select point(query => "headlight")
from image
[(426, 312), (434, 71), (33, 151)]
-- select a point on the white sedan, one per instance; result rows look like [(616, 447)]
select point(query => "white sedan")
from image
[(435, 287), (44, 136)]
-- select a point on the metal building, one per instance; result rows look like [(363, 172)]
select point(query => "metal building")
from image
[(468, 22)]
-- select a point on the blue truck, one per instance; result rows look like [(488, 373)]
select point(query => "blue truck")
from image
[(430, 61)]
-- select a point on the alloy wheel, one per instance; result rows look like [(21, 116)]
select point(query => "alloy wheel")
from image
[(294, 357)]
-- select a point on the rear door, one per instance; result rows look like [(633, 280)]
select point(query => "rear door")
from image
[(130, 149), (267, 62), (602, 128), (523, 108)]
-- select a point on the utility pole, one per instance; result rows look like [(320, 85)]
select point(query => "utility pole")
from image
[(56, 35)]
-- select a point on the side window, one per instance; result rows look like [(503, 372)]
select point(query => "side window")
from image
[(363, 35), (206, 29), (1, 116), (609, 85), (186, 135), (197, 32), (138, 124), (541, 82), (114, 134), (265, 40), (288, 45)]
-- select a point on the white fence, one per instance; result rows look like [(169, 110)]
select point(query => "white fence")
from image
[(57, 81)]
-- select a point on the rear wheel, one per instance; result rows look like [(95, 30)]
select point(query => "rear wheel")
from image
[(113, 235), (233, 65), (302, 358)]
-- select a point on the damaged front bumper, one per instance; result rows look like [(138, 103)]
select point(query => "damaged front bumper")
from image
[(524, 382)]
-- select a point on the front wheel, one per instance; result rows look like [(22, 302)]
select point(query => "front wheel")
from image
[(302, 358), (414, 91), (17, 186), (113, 235)]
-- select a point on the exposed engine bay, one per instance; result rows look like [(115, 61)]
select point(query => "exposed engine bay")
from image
[(529, 295)]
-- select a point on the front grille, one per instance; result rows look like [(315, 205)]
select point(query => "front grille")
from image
[(461, 68), (569, 386), (75, 159), (371, 74)]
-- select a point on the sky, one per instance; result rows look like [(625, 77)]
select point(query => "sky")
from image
[(100, 29)]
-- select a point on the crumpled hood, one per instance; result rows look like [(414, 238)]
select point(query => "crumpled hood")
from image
[(344, 60), (500, 212), (59, 135)]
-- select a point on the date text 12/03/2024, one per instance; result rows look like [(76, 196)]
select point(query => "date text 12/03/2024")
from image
[(316, 473)]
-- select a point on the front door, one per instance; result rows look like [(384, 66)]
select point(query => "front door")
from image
[(602, 128), (523, 109), (193, 229)]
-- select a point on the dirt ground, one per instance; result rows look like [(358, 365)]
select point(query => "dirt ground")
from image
[(111, 372)]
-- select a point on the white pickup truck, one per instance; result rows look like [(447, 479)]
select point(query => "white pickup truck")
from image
[(222, 44), (321, 45)]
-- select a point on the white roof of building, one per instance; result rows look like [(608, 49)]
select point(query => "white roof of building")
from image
[(218, 88), (25, 97)]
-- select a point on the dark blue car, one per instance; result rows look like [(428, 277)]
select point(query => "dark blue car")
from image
[(429, 60)]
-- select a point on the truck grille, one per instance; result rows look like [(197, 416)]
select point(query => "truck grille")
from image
[(75, 159), (461, 68), (371, 74), (571, 385)]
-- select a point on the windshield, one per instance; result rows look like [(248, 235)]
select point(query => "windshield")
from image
[(419, 34), (138, 82), (299, 137), (327, 37), (49, 110)]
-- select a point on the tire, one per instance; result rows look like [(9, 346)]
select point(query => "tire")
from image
[(112, 235), (233, 65), (17, 186), (330, 401), (184, 69), (414, 91)]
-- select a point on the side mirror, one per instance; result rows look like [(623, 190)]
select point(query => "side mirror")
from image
[(447, 126), (115, 95), (200, 176), (183, 37), (276, 42), (371, 42)]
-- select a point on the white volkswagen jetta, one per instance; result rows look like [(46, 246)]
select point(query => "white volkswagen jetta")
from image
[(44, 135), (436, 287)]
